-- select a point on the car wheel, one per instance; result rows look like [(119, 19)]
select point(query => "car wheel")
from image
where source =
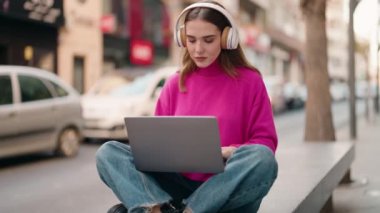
[(68, 142)]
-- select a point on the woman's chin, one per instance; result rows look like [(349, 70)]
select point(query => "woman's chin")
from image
[(202, 64)]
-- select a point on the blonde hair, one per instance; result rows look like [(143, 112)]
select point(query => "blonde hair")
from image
[(228, 59)]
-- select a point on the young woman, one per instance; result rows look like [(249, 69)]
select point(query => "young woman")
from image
[(216, 80)]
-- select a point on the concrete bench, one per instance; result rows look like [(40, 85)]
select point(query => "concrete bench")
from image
[(308, 175)]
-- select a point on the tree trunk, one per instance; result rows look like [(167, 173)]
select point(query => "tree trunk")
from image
[(319, 121)]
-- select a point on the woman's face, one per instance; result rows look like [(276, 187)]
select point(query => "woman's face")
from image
[(202, 42)]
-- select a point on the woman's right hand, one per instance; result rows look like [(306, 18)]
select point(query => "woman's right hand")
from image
[(228, 151)]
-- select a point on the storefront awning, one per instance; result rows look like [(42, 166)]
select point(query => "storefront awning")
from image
[(46, 12)]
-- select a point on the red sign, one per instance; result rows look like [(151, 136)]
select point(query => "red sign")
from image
[(136, 21), (141, 52), (108, 23)]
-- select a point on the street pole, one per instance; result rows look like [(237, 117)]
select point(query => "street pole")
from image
[(377, 110), (347, 179), (351, 70)]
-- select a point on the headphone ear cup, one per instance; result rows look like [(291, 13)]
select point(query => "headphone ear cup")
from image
[(178, 38), (230, 39), (225, 38), (234, 39)]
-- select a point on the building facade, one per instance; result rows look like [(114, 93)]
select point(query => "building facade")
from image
[(337, 37), (135, 33), (29, 33), (81, 39), (80, 45), (62, 37), (286, 30), (272, 38)]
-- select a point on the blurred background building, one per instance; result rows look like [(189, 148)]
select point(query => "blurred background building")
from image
[(135, 32), (337, 31), (80, 44), (80, 39), (270, 35), (29, 34)]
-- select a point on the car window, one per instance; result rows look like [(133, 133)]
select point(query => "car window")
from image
[(161, 83), (33, 89), (158, 88), (59, 90), (107, 84), (6, 93), (137, 87)]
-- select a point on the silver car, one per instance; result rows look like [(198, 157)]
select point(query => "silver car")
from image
[(38, 112), (107, 103)]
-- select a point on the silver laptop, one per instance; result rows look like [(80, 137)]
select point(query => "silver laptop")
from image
[(175, 144)]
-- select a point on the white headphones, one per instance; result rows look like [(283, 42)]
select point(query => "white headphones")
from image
[(230, 35)]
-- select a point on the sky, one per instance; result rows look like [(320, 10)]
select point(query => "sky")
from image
[(365, 18)]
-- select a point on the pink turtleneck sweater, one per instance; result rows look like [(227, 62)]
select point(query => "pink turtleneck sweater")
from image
[(241, 106)]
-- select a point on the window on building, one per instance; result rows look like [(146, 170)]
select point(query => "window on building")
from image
[(252, 14), (45, 59), (3, 55), (79, 73), (39, 57)]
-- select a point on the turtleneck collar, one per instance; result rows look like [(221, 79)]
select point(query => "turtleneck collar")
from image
[(213, 69)]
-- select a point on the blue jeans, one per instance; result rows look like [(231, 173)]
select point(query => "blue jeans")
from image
[(249, 173)]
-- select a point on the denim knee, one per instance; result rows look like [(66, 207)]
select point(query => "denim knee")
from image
[(108, 151), (266, 163), (104, 151), (268, 160)]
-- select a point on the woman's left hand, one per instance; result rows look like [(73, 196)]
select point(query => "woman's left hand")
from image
[(227, 151)]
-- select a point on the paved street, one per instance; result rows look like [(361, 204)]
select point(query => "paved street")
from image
[(42, 184), (363, 194)]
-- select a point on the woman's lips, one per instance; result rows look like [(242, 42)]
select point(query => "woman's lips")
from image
[(200, 58)]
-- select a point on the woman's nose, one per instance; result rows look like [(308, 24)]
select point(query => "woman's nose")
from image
[(199, 47)]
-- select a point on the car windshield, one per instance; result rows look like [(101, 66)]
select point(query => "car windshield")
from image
[(136, 87), (107, 84)]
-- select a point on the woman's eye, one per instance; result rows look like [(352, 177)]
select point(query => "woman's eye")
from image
[(209, 40), (191, 40)]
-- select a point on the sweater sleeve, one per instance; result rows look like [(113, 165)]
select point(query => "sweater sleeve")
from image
[(261, 128), (164, 102), (261, 124)]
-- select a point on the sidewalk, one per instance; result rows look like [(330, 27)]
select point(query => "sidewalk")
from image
[(363, 195)]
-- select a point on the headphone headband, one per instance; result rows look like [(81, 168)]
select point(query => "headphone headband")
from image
[(233, 39), (206, 5)]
